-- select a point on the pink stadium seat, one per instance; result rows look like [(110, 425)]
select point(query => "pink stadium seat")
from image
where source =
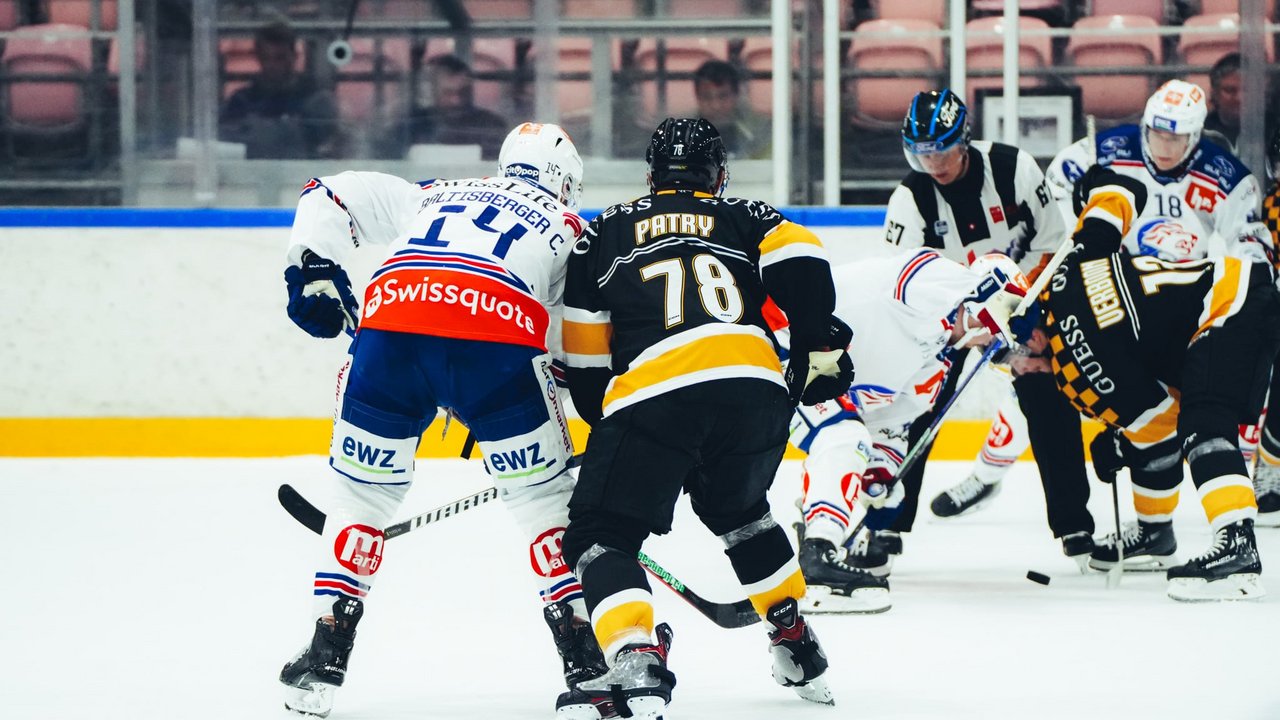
[(237, 58), (1024, 6), (9, 14), (707, 8), (578, 9), (683, 55), (488, 55), (358, 97), (935, 11), (988, 52), (1115, 97), (80, 12), (1207, 48), (395, 9), (573, 97), (1221, 7), (879, 103), (499, 9), (1153, 9), (53, 106), (757, 56)]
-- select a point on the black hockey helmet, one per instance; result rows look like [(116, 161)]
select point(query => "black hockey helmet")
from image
[(687, 153), (936, 121)]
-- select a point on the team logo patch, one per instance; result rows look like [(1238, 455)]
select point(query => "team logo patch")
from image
[(1201, 198), (358, 548), (1072, 171), (1112, 144), (545, 556), (523, 171), (940, 227), (1001, 433), (1164, 123), (1222, 167), (997, 214)]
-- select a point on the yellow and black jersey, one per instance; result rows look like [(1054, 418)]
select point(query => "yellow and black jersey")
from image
[(1119, 326), (1271, 217), (667, 291)]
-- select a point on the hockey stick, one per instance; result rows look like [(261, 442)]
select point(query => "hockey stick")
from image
[(727, 615), (1114, 573)]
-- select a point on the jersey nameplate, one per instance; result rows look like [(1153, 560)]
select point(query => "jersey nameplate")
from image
[(673, 223)]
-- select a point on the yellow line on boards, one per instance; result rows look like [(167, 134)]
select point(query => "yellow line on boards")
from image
[(278, 437)]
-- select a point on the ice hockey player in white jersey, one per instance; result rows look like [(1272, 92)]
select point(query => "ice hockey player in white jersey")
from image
[(458, 317), (911, 313)]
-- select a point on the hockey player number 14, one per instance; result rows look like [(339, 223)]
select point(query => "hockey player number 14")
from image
[(1157, 273), (487, 215), (717, 289)]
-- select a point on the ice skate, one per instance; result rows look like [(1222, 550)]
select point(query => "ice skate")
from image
[(798, 660), (576, 643), (969, 495), (836, 587), (1148, 547), (874, 550), (1229, 570), (311, 678), (1078, 546), (1266, 486), (638, 680)]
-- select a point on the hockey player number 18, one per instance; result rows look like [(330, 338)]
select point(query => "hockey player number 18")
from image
[(717, 289), (488, 214)]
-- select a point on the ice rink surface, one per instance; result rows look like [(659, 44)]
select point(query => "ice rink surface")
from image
[(177, 589)]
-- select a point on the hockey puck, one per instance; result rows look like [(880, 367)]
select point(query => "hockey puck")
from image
[(1034, 576)]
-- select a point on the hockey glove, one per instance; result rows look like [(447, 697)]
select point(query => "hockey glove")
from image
[(320, 297), (1095, 177), (820, 372), (880, 488), (1108, 453)]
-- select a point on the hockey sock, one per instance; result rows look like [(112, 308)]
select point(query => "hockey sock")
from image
[(1219, 474), (764, 562)]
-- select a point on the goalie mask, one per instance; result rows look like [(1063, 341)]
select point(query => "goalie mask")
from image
[(543, 155), (1000, 289)]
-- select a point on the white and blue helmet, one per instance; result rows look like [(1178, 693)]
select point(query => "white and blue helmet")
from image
[(542, 154), (1178, 107)]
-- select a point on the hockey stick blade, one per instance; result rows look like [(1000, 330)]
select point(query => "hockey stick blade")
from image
[(727, 615)]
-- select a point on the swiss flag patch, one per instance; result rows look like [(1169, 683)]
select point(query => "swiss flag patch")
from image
[(997, 213)]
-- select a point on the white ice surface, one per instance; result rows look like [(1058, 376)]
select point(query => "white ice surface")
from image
[(146, 589)]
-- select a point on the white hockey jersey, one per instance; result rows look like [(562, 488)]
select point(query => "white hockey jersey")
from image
[(1210, 205), (480, 259), (901, 309), (972, 217)]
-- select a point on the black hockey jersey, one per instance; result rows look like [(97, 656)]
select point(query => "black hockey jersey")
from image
[(668, 290), (1119, 326)]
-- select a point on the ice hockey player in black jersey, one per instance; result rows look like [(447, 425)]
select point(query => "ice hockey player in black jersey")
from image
[(1171, 357), (671, 361)]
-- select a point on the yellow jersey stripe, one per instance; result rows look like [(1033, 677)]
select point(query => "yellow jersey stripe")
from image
[(1147, 505), (787, 233), (1155, 425), (587, 338), (793, 586), (1226, 499), (1222, 301), (1110, 204), (708, 352)]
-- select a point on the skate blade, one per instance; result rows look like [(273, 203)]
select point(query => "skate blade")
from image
[(1241, 586), (646, 707), (816, 691), (1268, 519), (1082, 562), (820, 600), (1138, 563), (315, 700)]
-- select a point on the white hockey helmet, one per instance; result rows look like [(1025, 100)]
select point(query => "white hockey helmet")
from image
[(1000, 288), (1178, 107), (542, 154)]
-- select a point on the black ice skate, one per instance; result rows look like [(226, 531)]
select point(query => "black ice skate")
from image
[(1266, 486), (1148, 547), (874, 550), (798, 660), (576, 643), (1229, 570), (637, 686), (1079, 547), (964, 497), (837, 587), (310, 678)]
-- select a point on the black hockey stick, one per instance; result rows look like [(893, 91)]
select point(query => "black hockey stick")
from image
[(727, 615)]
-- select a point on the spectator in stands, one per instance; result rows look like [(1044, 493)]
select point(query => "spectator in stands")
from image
[(718, 89), (281, 114), (453, 118), (1223, 122)]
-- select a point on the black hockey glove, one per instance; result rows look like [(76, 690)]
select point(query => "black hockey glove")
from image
[(822, 370), (1108, 452), (320, 297), (1095, 177)]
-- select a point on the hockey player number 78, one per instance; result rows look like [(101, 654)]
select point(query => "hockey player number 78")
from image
[(487, 215)]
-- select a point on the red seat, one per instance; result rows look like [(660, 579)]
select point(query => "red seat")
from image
[(597, 9), (499, 9), (880, 103), (1115, 97), (1206, 48), (1223, 7), (934, 11), (80, 12), (683, 55), (51, 106), (986, 52), (9, 14), (374, 84), (488, 55), (707, 8), (1024, 6), (757, 57), (1153, 9)]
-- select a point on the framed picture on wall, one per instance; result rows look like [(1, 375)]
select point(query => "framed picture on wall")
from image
[(1049, 118)]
